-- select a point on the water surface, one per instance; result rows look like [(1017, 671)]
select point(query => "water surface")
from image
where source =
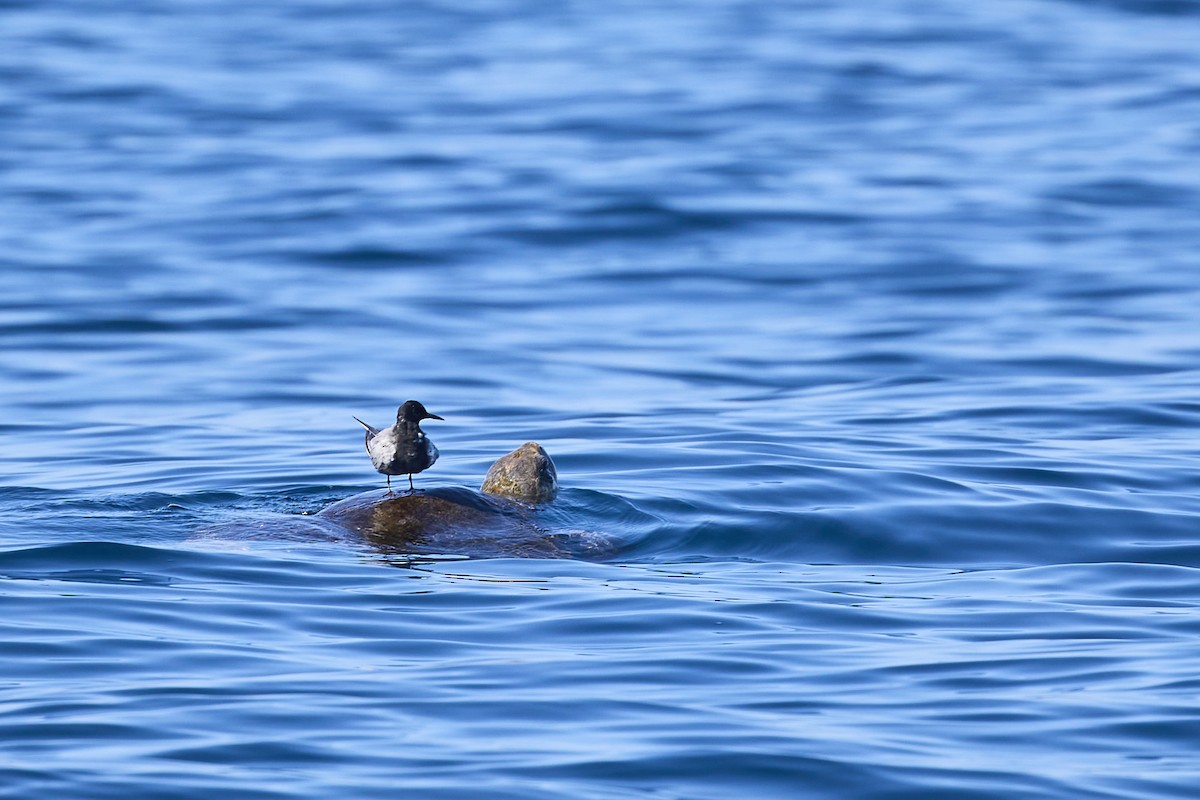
[(865, 334)]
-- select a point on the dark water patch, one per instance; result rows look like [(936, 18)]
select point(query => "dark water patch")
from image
[(121, 326), (262, 754), (147, 94), (1127, 193), (1166, 8), (146, 502), (699, 274), (89, 576), (628, 129), (91, 552), (368, 258)]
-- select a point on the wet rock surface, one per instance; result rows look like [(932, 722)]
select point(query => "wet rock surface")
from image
[(447, 520), (499, 521), (526, 474)]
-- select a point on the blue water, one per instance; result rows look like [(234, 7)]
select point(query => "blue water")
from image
[(863, 334)]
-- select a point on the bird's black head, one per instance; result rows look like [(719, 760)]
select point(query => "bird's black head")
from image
[(413, 412)]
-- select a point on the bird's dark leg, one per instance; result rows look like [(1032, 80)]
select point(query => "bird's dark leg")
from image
[(389, 484), (410, 483)]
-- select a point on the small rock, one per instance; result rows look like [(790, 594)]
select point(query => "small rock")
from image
[(526, 473)]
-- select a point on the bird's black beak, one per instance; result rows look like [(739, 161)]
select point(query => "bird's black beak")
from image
[(434, 416)]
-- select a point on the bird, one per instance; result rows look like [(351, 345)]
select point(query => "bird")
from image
[(402, 449)]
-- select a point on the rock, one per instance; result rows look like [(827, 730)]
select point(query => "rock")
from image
[(445, 520), (452, 520), (526, 474), (503, 521)]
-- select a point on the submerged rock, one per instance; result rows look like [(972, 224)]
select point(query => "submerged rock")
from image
[(446, 520), (509, 518), (451, 520)]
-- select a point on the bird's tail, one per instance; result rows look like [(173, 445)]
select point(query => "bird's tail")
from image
[(370, 430)]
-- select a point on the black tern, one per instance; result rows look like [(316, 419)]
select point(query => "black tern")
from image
[(402, 449)]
